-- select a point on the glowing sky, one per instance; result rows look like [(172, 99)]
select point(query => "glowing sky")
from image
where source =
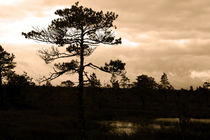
[(158, 36)]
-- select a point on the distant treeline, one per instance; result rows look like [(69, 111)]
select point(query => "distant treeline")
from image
[(108, 100)]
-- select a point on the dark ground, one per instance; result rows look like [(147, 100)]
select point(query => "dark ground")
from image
[(50, 113)]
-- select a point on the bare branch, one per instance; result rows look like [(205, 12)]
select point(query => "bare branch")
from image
[(50, 35), (49, 55), (53, 76), (60, 69)]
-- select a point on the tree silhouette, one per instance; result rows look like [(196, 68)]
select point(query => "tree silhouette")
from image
[(191, 88), (67, 83), (20, 80), (206, 85), (125, 81), (93, 81), (6, 63), (145, 82), (80, 30), (114, 82), (48, 83), (164, 83)]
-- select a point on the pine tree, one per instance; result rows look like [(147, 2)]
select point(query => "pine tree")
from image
[(125, 81), (6, 63), (164, 83), (114, 82), (80, 30), (93, 81), (145, 82)]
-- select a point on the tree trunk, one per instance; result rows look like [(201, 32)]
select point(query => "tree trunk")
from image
[(0, 79), (1, 93), (81, 91)]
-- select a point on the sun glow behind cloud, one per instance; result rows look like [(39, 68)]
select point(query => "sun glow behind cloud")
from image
[(16, 28), (180, 42), (13, 28), (10, 2)]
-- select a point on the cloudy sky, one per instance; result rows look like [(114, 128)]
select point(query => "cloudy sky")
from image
[(171, 36)]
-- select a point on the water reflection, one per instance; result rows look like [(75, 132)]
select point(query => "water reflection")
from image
[(177, 120), (167, 120), (130, 128), (121, 127)]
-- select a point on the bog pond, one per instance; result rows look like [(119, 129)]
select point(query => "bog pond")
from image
[(130, 128)]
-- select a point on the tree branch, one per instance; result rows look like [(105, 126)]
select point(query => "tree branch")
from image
[(50, 55), (88, 79), (53, 36), (60, 69), (51, 77), (95, 67)]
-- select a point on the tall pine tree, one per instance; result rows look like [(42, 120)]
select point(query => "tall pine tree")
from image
[(80, 30)]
